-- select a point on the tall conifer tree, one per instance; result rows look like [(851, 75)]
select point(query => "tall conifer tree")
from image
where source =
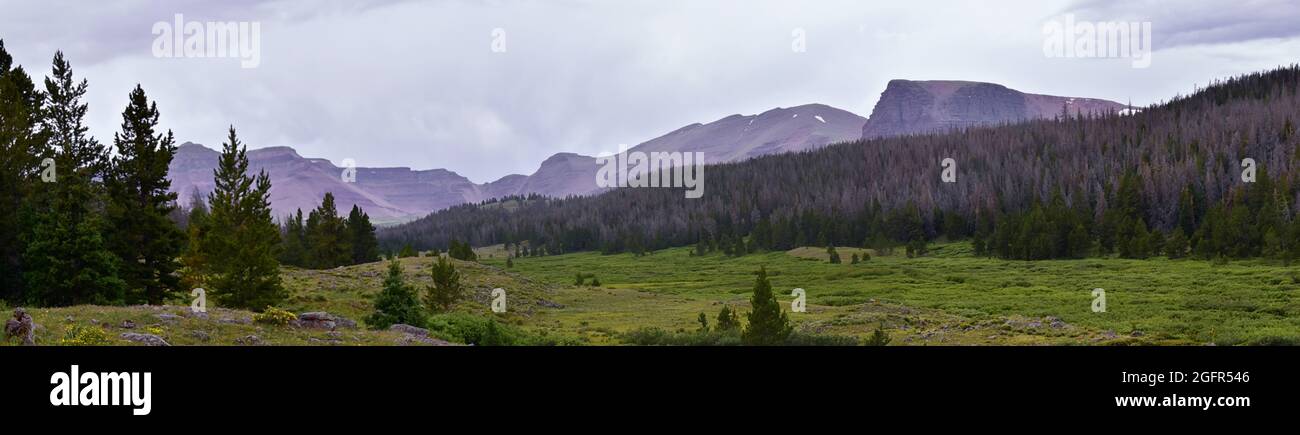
[(241, 242), (145, 240), (66, 258)]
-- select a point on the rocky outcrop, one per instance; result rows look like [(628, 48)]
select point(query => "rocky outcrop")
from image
[(913, 107), (21, 327)]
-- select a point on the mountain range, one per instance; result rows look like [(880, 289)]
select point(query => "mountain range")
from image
[(397, 194)]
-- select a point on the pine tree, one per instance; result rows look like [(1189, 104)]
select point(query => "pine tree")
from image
[(1176, 245), (834, 256), (365, 247), (446, 288), (1139, 242), (1079, 242), (196, 227), (728, 320), (294, 241), (22, 147), (327, 236), (396, 303), (407, 252), (145, 240), (768, 325), (66, 259), (240, 243)]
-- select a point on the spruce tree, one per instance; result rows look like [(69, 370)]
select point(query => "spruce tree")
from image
[(834, 256), (66, 259), (768, 325), (145, 240), (1176, 246), (195, 230), (22, 147), (727, 319), (407, 252), (241, 241), (294, 241), (446, 288), (397, 302), (365, 247), (327, 238)]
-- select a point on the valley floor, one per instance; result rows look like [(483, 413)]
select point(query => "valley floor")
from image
[(948, 297)]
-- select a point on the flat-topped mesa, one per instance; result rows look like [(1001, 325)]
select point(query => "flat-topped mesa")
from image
[(912, 107)]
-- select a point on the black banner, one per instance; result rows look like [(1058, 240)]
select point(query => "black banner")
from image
[(198, 382)]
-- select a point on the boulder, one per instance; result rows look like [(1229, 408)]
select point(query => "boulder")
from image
[(147, 339), (324, 320), (21, 327), (402, 327), (412, 339), (250, 340)]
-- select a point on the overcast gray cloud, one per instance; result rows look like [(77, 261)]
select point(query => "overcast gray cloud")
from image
[(394, 83), (1183, 23)]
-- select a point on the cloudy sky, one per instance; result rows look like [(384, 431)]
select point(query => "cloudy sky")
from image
[(490, 88)]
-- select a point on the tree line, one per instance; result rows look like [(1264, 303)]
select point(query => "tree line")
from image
[(1075, 185), (326, 240), (81, 224)]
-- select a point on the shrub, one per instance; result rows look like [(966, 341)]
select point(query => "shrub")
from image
[(78, 335), (728, 319), (482, 331), (407, 251), (275, 316), (654, 336), (396, 303), (879, 337), (804, 339)]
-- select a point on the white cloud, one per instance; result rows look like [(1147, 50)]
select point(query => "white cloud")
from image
[(416, 84)]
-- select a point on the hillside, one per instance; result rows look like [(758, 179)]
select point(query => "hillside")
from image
[(1188, 151), (344, 292)]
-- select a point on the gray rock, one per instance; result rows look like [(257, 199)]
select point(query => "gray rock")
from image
[(128, 324), (167, 317), (402, 327), (412, 339), (201, 336), (249, 340), (21, 327), (324, 320), (147, 339)]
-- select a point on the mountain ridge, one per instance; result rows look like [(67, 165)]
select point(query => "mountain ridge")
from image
[(397, 194)]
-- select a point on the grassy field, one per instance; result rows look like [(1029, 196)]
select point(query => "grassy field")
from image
[(345, 291), (948, 297)]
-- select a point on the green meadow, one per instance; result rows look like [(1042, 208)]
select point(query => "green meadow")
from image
[(947, 297)]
